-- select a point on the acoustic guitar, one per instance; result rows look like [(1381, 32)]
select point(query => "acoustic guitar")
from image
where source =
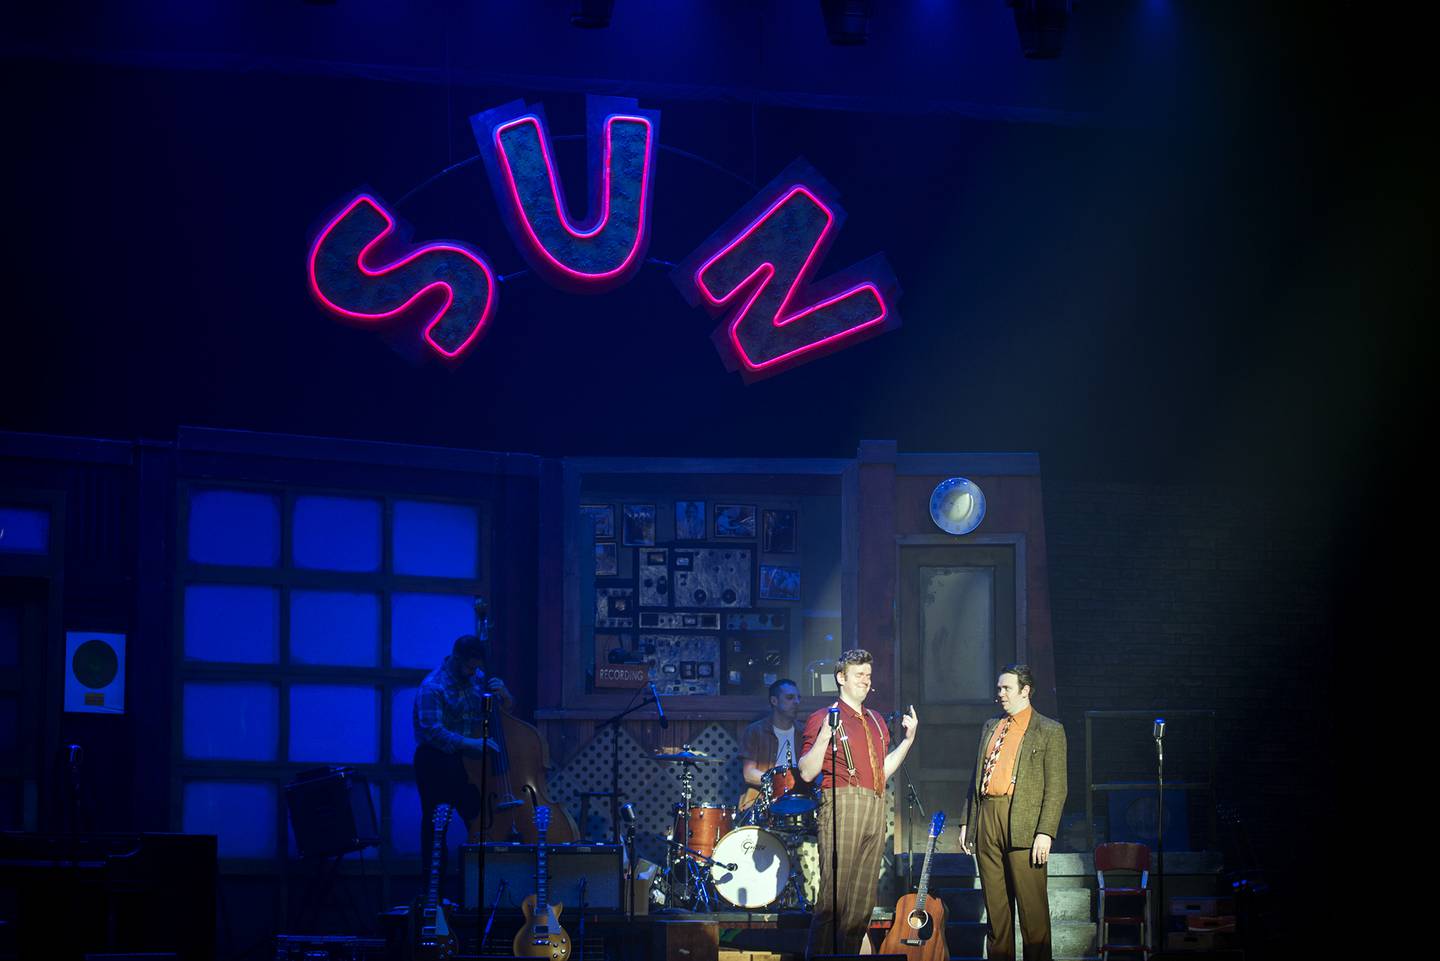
[(431, 938), (919, 928), (541, 936)]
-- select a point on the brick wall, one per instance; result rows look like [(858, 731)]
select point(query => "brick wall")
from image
[(1167, 598)]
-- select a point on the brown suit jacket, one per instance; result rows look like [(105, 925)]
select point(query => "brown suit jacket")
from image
[(1040, 781)]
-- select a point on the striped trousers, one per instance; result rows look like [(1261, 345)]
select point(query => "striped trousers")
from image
[(861, 840)]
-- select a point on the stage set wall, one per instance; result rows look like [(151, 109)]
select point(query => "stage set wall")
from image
[(1149, 589)]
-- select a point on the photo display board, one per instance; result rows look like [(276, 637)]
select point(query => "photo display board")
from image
[(704, 595)]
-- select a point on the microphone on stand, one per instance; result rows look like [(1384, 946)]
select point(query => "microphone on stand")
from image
[(659, 708), (834, 718)]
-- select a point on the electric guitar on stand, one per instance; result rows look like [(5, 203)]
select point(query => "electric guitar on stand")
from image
[(919, 928), (431, 938), (541, 936)]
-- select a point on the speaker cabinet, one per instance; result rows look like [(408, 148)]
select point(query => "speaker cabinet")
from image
[(331, 812)]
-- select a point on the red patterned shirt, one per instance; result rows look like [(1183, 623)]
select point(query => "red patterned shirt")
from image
[(869, 738)]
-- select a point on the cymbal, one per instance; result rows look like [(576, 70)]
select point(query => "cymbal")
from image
[(685, 757)]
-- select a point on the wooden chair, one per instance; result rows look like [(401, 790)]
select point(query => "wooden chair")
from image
[(1123, 856)]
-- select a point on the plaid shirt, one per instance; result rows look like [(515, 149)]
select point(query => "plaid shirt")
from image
[(447, 708)]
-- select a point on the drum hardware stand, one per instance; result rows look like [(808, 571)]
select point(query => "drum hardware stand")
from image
[(696, 867), (694, 884), (912, 801)]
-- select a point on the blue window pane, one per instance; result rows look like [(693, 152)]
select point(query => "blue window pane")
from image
[(234, 527), (334, 724), (405, 823), (337, 533), (402, 725), (334, 627), (423, 627), (436, 540), (240, 813), (234, 624), (24, 530), (231, 721)]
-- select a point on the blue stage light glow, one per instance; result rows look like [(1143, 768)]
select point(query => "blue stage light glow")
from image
[(232, 624), (423, 627), (334, 724), (231, 720), (240, 814), (335, 627), (240, 528), (337, 533), (436, 540)]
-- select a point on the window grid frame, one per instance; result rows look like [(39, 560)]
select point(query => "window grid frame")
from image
[(384, 678)]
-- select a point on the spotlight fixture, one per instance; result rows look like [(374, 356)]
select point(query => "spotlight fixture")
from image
[(1041, 25), (592, 14), (847, 21)]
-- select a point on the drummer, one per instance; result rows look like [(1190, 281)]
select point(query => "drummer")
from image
[(772, 741)]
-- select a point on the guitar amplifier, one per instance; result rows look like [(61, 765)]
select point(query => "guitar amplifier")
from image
[(331, 812), (514, 864)]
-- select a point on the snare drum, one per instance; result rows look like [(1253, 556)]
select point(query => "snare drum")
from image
[(762, 868), (786, 795), (708, 824)]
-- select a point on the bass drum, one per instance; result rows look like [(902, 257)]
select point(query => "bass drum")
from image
[(762, 868)]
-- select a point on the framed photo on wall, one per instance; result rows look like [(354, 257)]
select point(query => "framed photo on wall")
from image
[(689, 520), (778, 530), (779, 583), (639, 528), (735, 520), (603, 517), (607, 559)]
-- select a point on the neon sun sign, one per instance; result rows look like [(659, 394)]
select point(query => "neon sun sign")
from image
[(754, 272)]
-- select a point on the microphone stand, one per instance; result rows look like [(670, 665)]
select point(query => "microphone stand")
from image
[(488, 700), (835, 836), (614, 725), (912, 801), (1159, 734)]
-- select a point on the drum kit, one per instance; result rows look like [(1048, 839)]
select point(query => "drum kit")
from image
[(751, 861)]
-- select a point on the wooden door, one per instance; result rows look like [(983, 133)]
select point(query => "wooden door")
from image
[(957, 627)]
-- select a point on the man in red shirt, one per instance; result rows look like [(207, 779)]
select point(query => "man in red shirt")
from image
[(853, 804)]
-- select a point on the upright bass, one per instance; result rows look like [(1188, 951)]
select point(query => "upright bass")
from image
[(513, 786)]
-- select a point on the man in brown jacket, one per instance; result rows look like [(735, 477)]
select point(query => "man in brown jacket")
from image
[(1012, 814)]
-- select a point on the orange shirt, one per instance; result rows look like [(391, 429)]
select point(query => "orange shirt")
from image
[(1002, 775)]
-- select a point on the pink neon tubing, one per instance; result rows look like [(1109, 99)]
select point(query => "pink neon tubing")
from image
[(360, 262), (560, 207), (766, 271)]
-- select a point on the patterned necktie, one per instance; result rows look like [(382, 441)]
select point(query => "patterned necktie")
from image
[(993, 755)]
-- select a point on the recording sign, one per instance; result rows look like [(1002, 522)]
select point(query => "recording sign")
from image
[(94, 672), (756, 273)]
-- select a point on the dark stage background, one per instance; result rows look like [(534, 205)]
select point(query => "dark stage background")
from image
[(1197, 304)]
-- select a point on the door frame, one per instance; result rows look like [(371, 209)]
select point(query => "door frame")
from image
[(1014, 540)]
